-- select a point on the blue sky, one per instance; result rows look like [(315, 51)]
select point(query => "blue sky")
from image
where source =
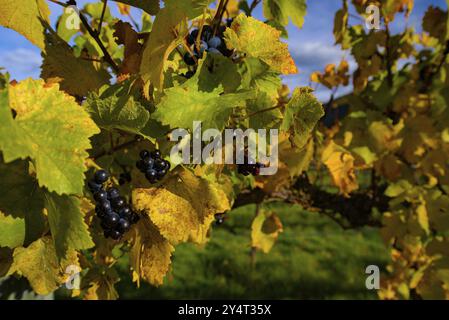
[(311, 47)]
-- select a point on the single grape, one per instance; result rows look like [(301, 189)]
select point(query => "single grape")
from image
[(105, 205), (101, 176), (161, 173), (203, 47), (192, 37), (101, 195), (125, 212), (159, 164), (111, 219), (113, 193), (115, 235), (156, 154), (148, 163), (123, 225), (151, 175), (118, 202), (214, 42), (144, 153), (214, 51)]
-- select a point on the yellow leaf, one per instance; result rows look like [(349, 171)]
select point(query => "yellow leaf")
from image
[(265, 230), (150, 255), (259, 40), (39, 264), (340, 164), (182, 208)]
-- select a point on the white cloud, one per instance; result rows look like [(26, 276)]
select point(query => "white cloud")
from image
[(21, 63), (315, 55)]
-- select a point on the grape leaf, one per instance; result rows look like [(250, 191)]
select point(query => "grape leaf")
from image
[(180, 208), (100, 284), (67, 226), (259, 40), (164, 37), (39, 264), (149, 6), (340, 164), (150, 255), (265, 230), (211, 108), (301, 115), (282, 10), (12, 231), (256, 74), (77, 76), (115, 107), (22, 201), (27, 17), (51, 129)]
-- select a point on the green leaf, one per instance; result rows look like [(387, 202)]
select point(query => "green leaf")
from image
[(51, 129), (301, 115), (77, 76), (259, 40), (66, 19), (163, 38), (115, 107), (213, 108), (27, 17), (22, 201), (67, 226), (12, 231), (256, 74), (282, 10), (150, 6)]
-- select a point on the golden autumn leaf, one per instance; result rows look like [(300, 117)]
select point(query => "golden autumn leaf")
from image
[(265, 230), (182, 208), (340, 164), (259, 40)]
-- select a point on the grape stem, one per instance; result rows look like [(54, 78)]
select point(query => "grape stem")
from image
[(253, 6), (103, 11), (116, 148), (92, 33)]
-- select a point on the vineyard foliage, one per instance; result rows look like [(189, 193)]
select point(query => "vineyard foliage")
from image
[(112, 88)]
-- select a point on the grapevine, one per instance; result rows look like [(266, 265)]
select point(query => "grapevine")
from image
[(87, 172)]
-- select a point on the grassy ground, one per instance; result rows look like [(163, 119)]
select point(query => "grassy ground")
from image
[(312, 259)]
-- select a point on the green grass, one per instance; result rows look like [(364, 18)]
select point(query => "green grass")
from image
[(312, 259)]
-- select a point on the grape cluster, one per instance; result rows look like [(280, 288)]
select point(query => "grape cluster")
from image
[(152, 165), (115, 214), (249, 168), (208, 42)]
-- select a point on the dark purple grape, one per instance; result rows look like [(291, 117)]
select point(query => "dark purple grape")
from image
[(161, 173), (159, 164), (125, 212), (144, 153), (113, 193), (123, 225), (192, 36), (115, 235), (148, 163), (111, 219), (207, 33), (101, 176), (105, 205), (118, 202), (101, 195), (156, 154)]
